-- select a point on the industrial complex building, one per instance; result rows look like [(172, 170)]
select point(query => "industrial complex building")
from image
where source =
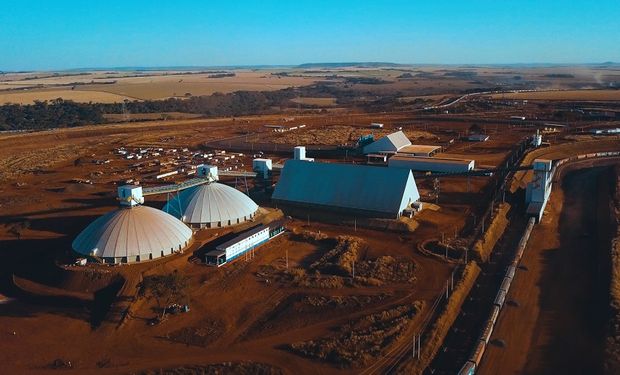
[(430, 164), (132, 233), (347, 188)]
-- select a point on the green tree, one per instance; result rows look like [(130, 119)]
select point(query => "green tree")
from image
[(166, 289), (18, 228)]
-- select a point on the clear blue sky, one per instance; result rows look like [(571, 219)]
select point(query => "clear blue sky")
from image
[(72, 34)]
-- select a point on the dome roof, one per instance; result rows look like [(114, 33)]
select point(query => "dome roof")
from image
[(212, 203), (131, 232)]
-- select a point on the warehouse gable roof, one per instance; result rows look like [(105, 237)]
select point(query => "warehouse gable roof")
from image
[(375, 189), (390, 143)]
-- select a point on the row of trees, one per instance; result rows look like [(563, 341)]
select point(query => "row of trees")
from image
[(60, 113), (45, 115)]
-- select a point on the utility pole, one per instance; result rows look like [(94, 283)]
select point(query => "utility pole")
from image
[(419, 347), (452, 281)]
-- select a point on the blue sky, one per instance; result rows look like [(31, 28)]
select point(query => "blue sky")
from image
[(37, 35)]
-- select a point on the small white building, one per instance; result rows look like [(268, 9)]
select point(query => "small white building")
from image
[(130, 195), (376, 125), (205, 170), (299, 153), (390, 144), (262, 166), (477, 138)]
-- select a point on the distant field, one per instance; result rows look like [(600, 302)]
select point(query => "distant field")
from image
[(97, 87), (118, 117), (29, 96), (409, 83), (563, 95)]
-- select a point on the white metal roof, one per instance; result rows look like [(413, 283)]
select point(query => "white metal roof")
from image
[(361, 187), (211, 203), (129, 232), (390, 143)]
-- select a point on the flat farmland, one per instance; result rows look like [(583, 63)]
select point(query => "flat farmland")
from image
[(29, 96), (109, 89)]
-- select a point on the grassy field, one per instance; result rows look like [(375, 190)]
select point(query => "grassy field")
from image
[(408, 82), (29, 96), (98, 88)]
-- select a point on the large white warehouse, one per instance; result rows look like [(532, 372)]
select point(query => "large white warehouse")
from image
[(133, 233), (348, 188), (212, 205)]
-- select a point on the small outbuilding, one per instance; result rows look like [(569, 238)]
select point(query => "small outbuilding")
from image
[(428, 164), (420, 150), (477, 138), (390, 144)]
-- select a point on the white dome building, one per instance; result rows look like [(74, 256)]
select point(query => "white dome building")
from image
[(212, 205), (134, 233)]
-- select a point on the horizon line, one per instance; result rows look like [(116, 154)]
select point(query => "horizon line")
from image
[(334, 64)]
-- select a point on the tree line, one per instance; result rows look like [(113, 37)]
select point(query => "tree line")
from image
[(60, 113)]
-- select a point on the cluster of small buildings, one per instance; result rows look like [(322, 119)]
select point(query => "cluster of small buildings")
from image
[(163, 163), (283, 128), (398, 152)]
